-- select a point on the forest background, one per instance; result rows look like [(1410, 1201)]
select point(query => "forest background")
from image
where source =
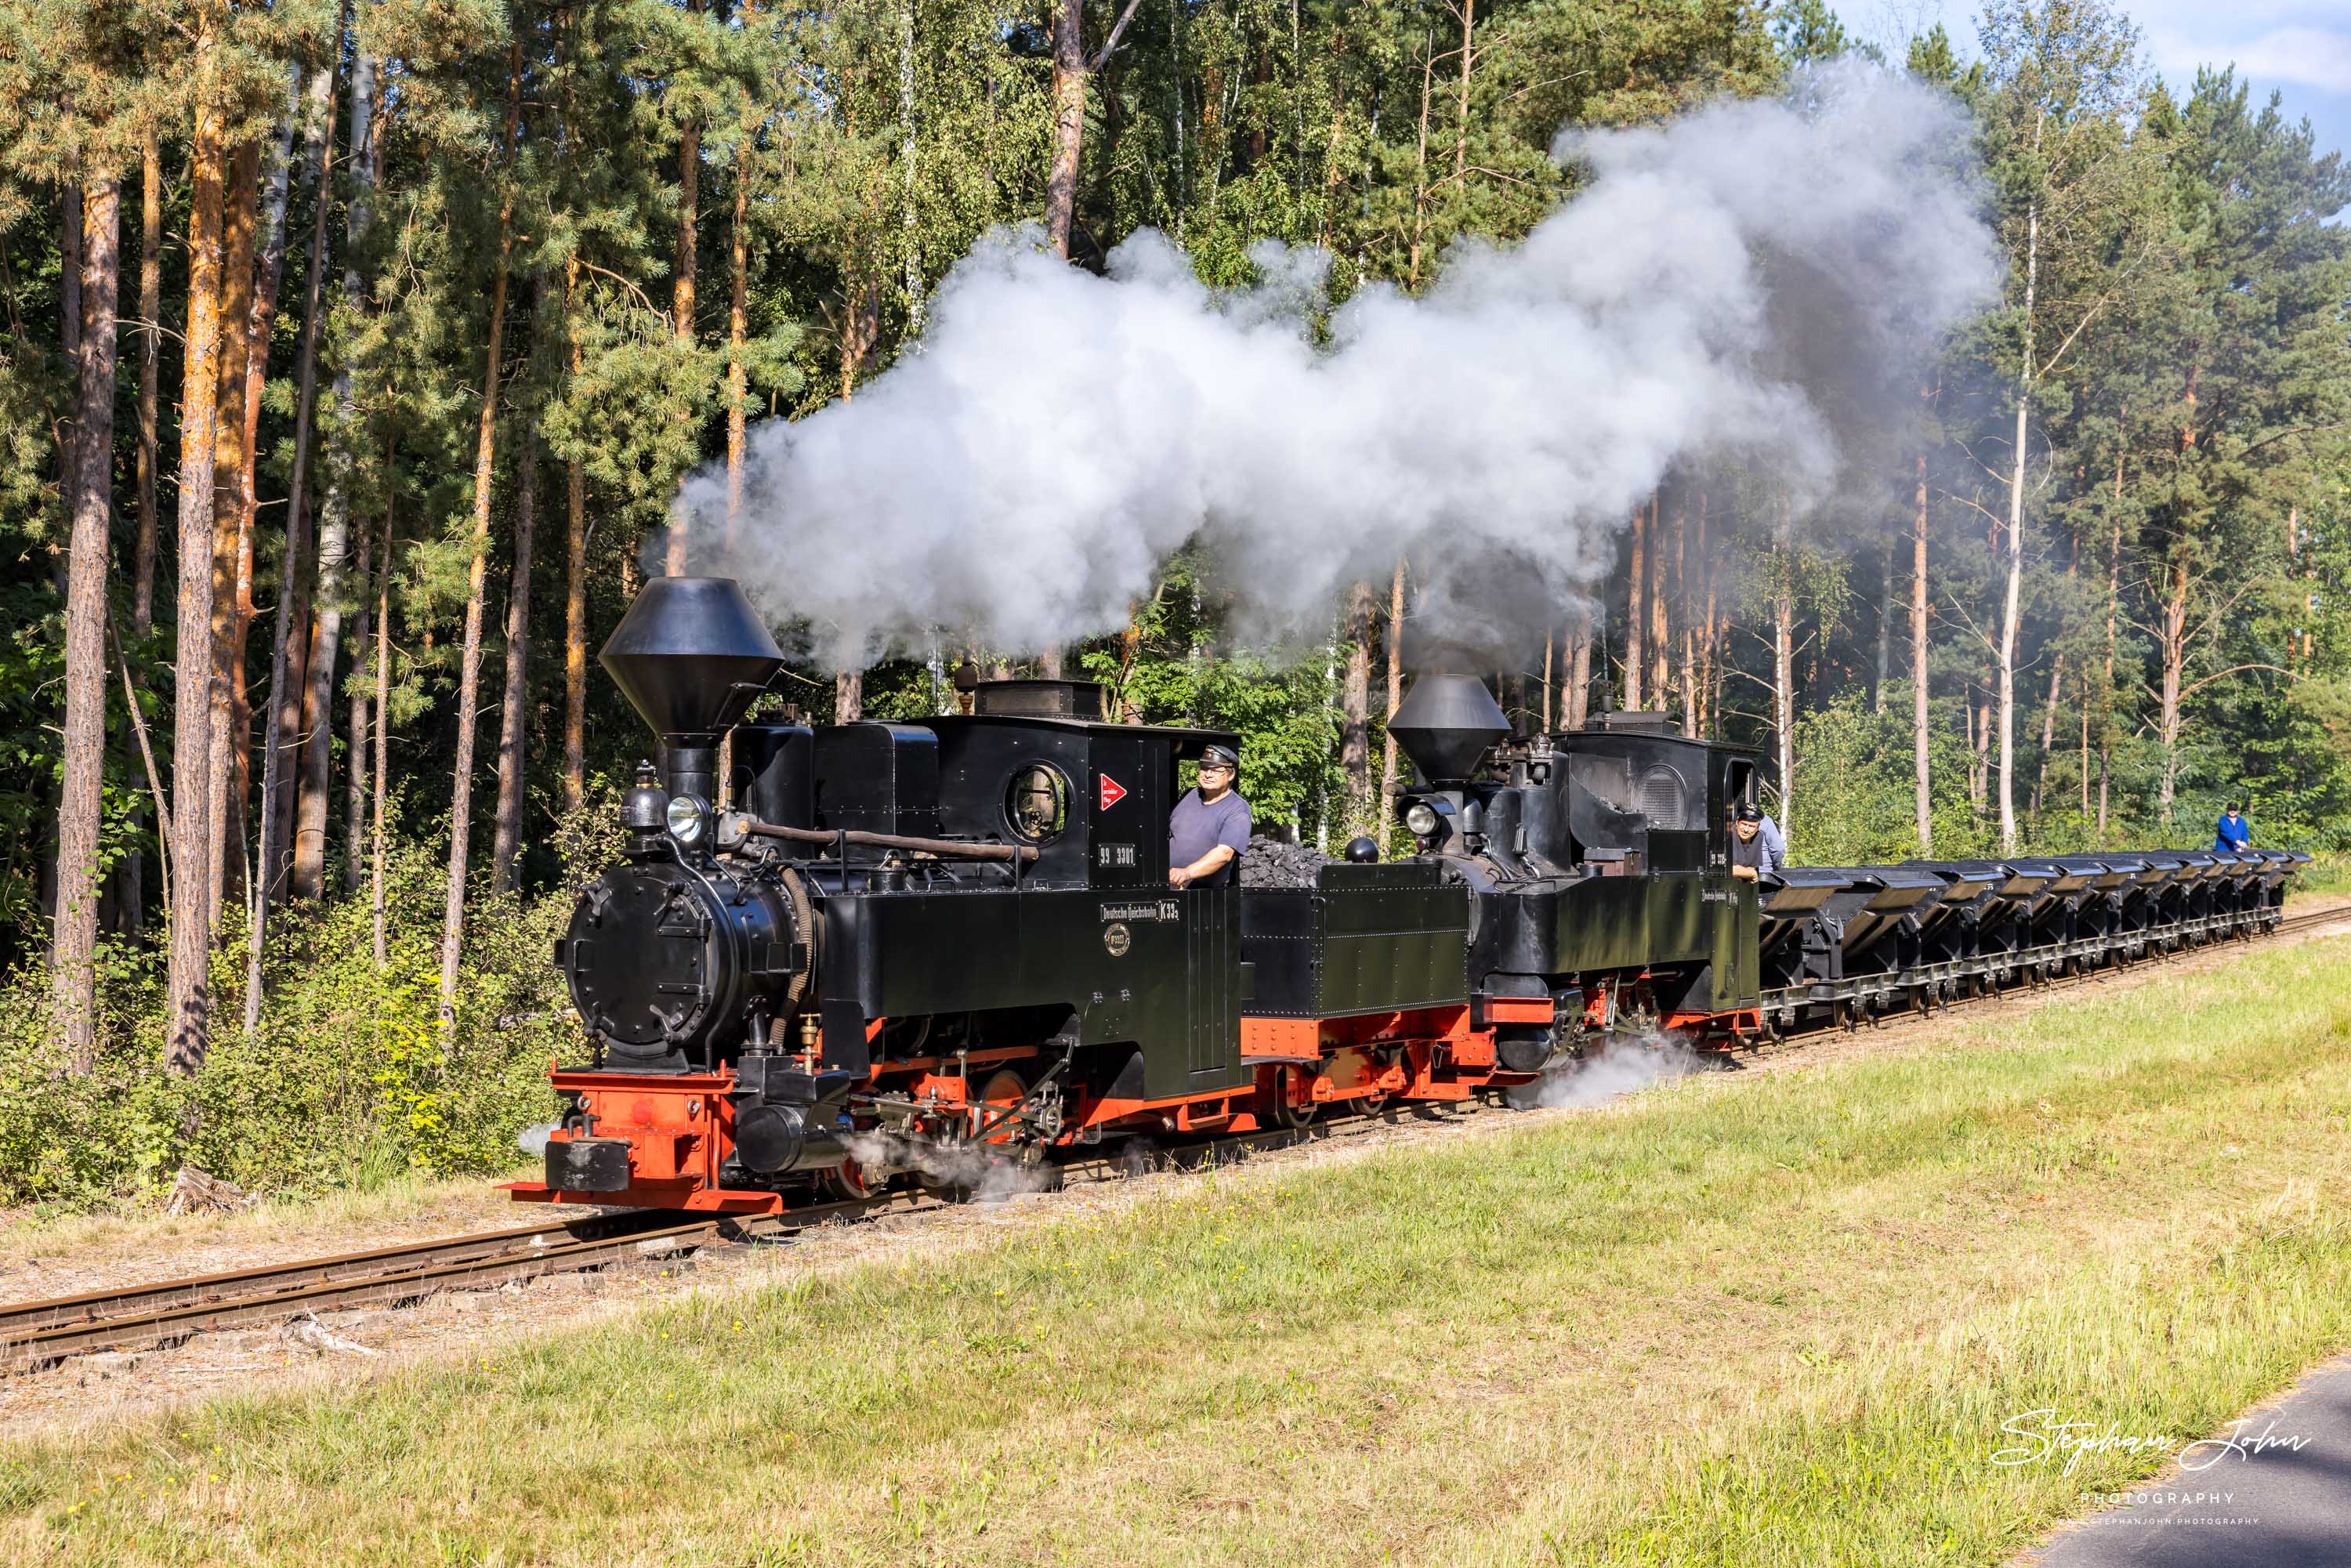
[(354, 348)]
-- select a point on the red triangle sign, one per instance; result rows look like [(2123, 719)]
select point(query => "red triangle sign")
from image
[(1112, 791)]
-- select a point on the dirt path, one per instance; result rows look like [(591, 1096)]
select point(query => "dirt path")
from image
[(474, 1323)]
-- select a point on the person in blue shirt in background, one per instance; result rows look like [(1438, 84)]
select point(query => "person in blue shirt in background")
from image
[(2234, 833)]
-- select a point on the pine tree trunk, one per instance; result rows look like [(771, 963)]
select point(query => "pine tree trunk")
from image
[(69, 224), (73, 952), (309, 875), (2048, 734), (575, 592), (1884, 633), (278, 173), (2114, 605), (1069, 122), (2171, 641), (383, 730), (681, 310), (912, 262), (2011, 604), (355, 703), (1550, 646), (469, 668), (1692, 707), (1395, 698), (188, 983), (290, 638), (240, 203), (131, 882), (739, 254), (1665, 546), (1709, 671), (1635, 610), (1577, 698), (1924, 800), (1783, 667), (2086, 748), (1420, 163), (1355, 711), (507, 841)]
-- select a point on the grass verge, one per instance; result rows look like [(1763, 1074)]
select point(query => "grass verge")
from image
[(1771, 1321)]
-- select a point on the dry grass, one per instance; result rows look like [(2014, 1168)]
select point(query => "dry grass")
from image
[(1776, 1320)]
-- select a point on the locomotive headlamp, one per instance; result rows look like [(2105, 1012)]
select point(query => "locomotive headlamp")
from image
[(687, 816), (1420, 819)]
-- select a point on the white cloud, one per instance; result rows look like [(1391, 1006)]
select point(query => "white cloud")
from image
[(2301, 46), (2312, 57)]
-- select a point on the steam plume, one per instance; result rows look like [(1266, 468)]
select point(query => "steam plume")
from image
[(1738, 286)]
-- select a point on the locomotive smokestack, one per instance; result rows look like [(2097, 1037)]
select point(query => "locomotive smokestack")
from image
[(690, 656), (1446, 724)]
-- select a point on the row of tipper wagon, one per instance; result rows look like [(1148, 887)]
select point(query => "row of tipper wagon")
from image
[(1855, 941)]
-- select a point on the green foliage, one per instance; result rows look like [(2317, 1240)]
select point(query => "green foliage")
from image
[(348, 1081), (1183, 669)]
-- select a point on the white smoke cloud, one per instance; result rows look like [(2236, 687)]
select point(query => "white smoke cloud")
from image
[(1737, 286)]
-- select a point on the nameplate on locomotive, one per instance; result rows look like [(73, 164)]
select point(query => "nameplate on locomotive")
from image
[(1114, 855), (1163, 909)]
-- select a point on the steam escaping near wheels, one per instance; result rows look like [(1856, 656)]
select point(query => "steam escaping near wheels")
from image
[(981, 1171), (1618, 1067)]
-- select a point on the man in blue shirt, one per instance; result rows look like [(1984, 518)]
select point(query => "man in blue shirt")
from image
[(2234, 833), (1210, 825)]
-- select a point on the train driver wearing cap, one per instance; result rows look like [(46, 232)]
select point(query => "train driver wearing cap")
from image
[(1210, 825), (1752, 853)]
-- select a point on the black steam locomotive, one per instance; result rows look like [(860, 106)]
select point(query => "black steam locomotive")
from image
[(902, 940)]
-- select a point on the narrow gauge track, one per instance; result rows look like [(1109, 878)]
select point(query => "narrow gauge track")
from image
[(38, 1334), (34, 1336)]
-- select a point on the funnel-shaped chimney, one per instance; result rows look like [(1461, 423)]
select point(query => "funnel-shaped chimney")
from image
[(1444, 724), (690, 656)]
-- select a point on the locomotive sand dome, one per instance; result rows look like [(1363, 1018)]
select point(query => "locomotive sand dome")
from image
[(899, 936)]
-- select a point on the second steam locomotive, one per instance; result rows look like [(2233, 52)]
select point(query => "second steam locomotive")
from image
[(957, 937)]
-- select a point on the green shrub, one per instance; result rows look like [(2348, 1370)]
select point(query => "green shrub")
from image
[(348, 1081)]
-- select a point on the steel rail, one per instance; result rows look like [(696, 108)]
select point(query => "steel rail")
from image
[(38, 1334)]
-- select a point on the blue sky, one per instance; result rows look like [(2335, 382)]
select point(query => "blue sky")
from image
[(2301, 47)]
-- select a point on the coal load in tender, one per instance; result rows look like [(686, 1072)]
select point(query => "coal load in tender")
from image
[(1270, 863)]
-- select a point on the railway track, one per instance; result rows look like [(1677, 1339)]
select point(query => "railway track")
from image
[(38, 1334), (34, 1336)]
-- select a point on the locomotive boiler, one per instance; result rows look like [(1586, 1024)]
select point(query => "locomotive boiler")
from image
[(857, 952)]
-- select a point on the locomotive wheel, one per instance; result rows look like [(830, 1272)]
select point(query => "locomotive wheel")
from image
[(1004, 1090), (847, 1181), (1295, 1117)]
